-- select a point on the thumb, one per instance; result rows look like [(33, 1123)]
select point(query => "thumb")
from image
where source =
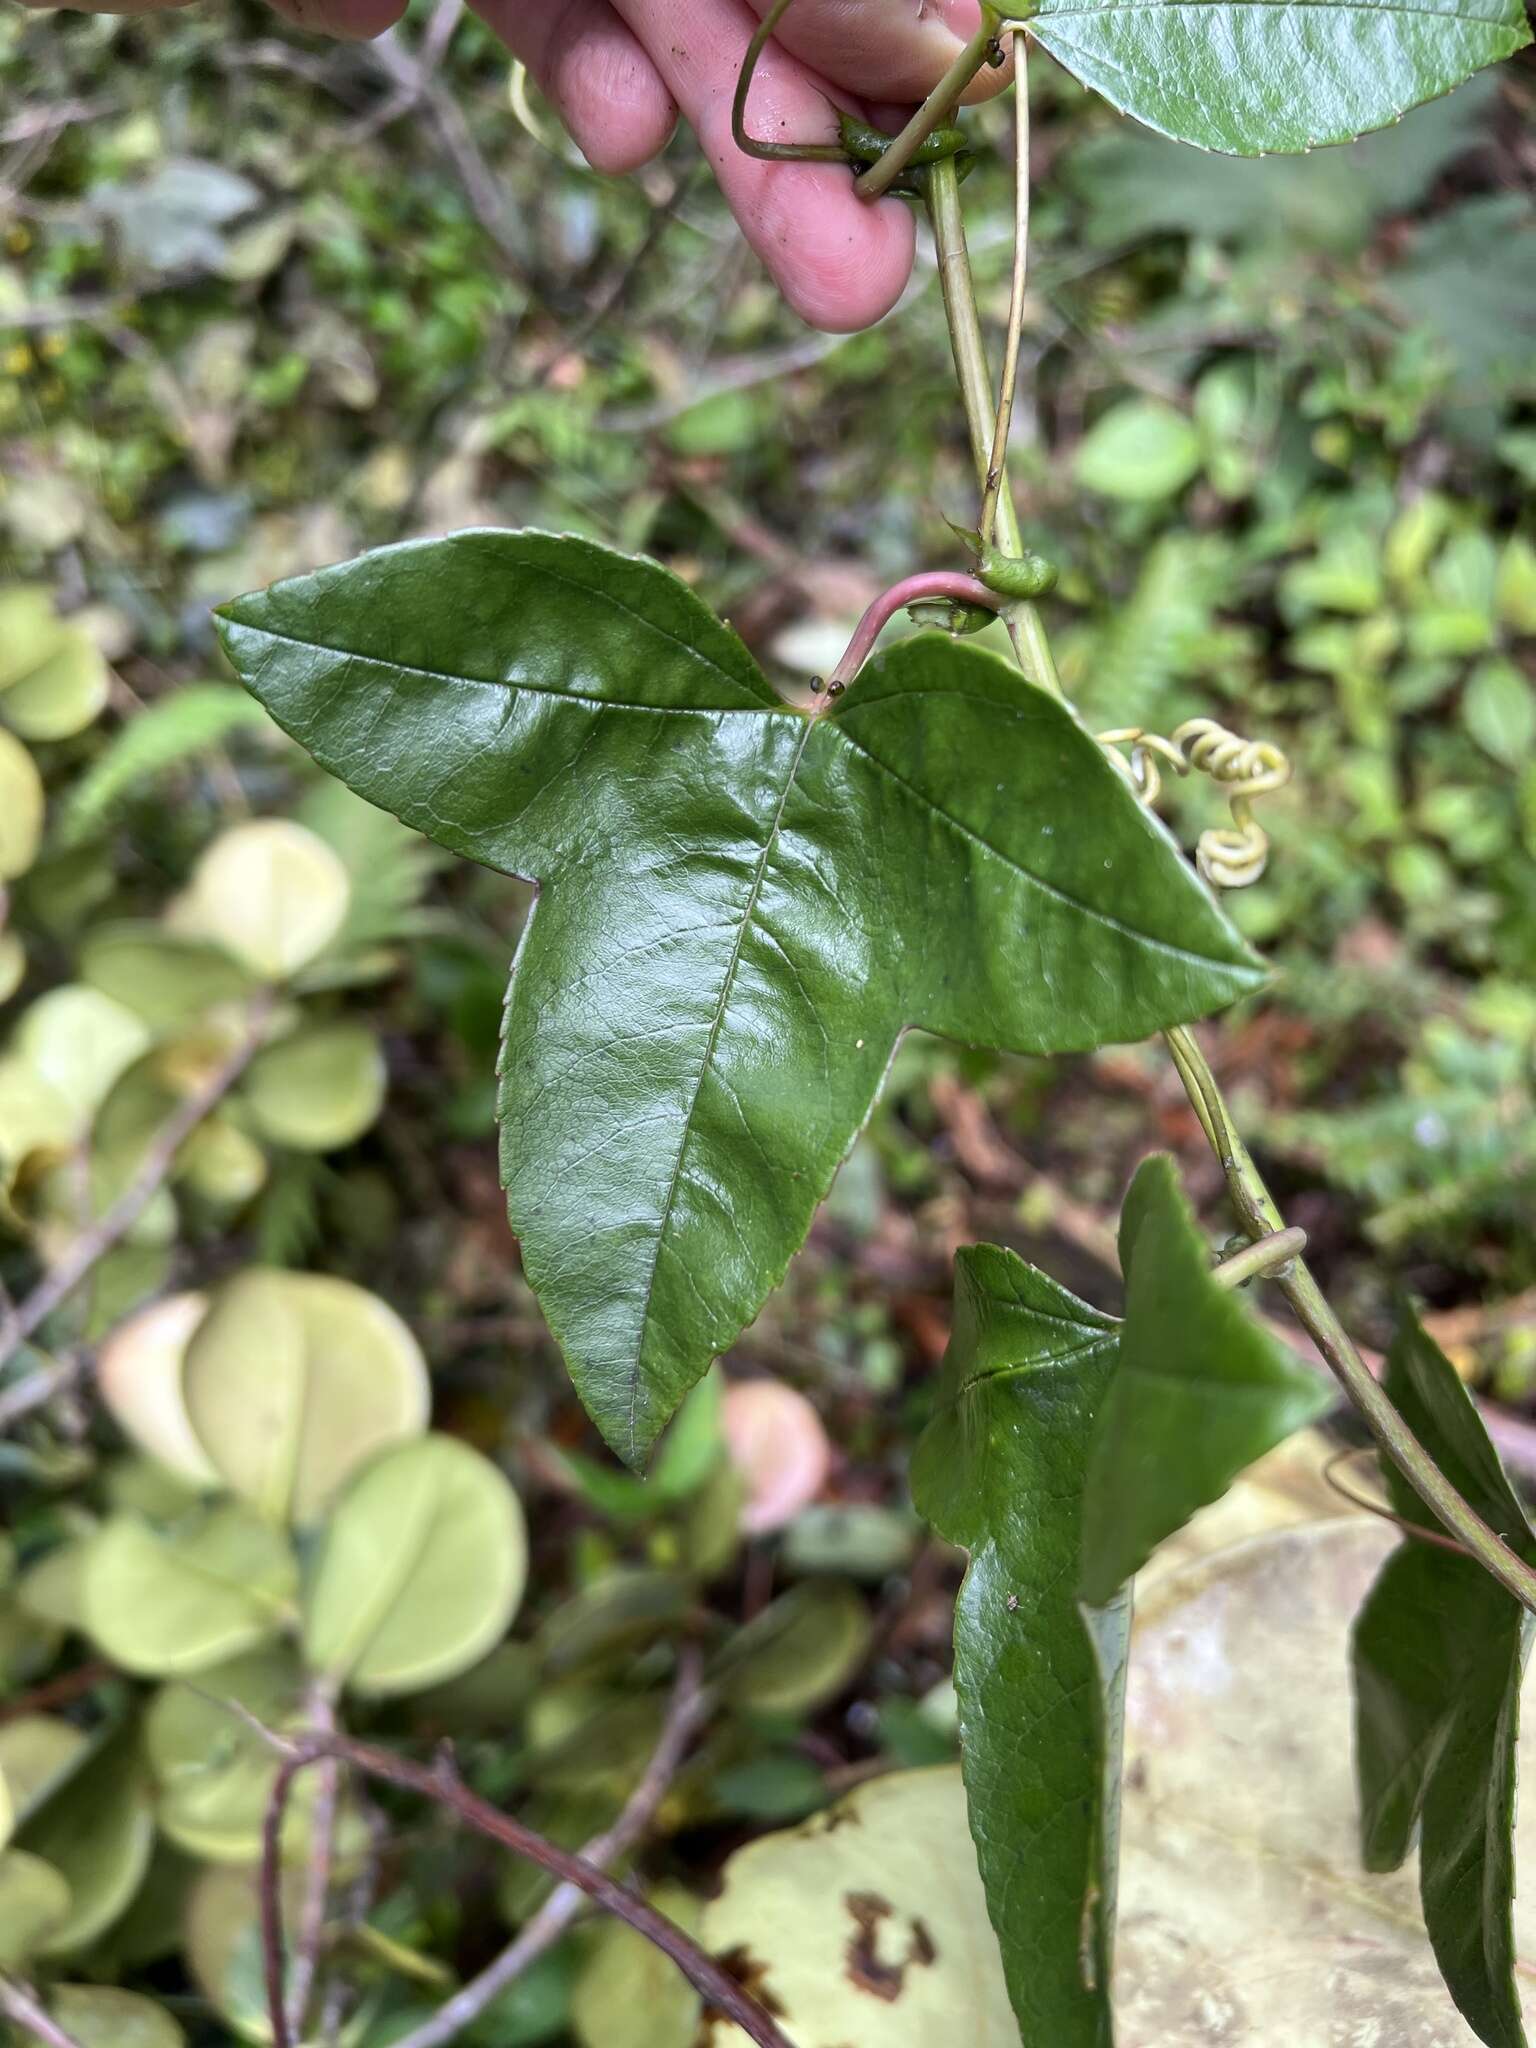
[(884, 50)]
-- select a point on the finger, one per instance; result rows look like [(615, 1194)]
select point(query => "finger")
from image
[(885, 49), (840, 262), (349, 20), (594, 74)]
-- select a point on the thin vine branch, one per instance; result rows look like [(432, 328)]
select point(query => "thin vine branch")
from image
[(1266, 1258), (772, 152), (92, 1245), (997, 462), (1258, 1212), (932, 114), (1380, 1509), (24, 2009), (317, 1878), (1025, 627), (690, 1705), (447, 1789)]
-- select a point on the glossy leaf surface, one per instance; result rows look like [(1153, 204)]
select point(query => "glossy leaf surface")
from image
[(1001, 1470), (1201, 1390), (742, 907), (1255, 76), (1439, 1653)]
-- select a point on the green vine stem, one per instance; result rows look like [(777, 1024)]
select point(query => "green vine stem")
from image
[(933, 113), (773, 152), (1025, 626), (997, 460), (1257, 1209)]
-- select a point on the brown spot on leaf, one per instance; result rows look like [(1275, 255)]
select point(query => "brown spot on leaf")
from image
[(752, 1975), (867, 1969)]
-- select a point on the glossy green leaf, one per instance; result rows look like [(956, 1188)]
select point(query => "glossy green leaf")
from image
[(420, 1569), (865, 1927), (1439, 1653), (164, 1603), (97, 1830), (293, 1380), (1256, 76), (742, 907), (34, 1905), (21, 808), (318, 1090), (1199, 1391), (99, 2016), (1001, 1470)]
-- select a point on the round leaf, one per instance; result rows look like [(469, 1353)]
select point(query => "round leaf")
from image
[(629, 1995), (165, 977), (1140, 450), (420, 1570), (271, 893), (21, 808), (160, 1605), (34, 1905), (37, 1754), (139, 1378), (97, 1831), (13, 964), (867, 1924), (293, 1380), (778, 1444), (97, 2016), (63, 693), (221, 1163), (79, 1041), (222, 1944), (213, 1772), (799, 1652), (318, 1090)]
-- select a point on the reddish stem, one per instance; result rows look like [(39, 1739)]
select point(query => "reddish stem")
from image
[(911, 590)]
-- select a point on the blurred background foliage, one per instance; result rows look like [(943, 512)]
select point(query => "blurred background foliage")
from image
[(264, 302)]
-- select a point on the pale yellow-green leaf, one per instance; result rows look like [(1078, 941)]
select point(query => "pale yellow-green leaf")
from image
[(79, 1041), (64, 693), (99, 2016), (420, 1569), (318, 1090), (222, 1944), (28, 624), (37, 1753), (221, 1163), (866, 1924), (293, 1380), (167, 978), (21, 808), (13, 965), (138, 1375), (53, 1589), (161, 1604), (34, 1904), (271, 893), (97, 1831), (213, 1772), (630, 1995), (1245, 1917)]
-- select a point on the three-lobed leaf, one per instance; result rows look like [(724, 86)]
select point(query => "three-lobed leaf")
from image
[(1439, 1651), (741, 910), (1201, 1390), (1254, 76)]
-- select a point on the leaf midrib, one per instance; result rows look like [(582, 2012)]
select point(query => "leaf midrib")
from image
[(743, 925), (521, 688)]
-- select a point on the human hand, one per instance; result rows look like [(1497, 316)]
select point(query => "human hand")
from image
[(618, 71)]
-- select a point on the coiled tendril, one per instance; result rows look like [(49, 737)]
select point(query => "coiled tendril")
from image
[(1227, 856)]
